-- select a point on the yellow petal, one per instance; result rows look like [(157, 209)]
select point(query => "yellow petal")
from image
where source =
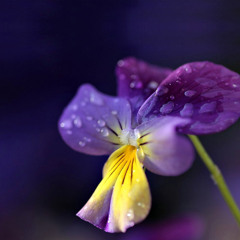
[(123, 196), (131, 199)]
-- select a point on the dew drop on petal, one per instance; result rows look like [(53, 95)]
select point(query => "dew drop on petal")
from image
[(69, 132), (140, 204), (67, 124), (87, 139), (162, 90), (101, 123), (114, 112), (105, 132), (188, 68), (77, 122), (187, 110), (120, 63), (167, 108), (81, 143), (96, 99), (74, 107), (190, 93), (172, 97), (153, 85), (135, 83), (89, 118), (208, 107), (130, 214)]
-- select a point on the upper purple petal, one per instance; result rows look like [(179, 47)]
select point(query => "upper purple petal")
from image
[(137, 80), (206, 93), (92, 121)]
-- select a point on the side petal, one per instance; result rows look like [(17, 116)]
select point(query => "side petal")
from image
[(166, 152), (204, 92), (123, 196), (92, 121), (137, 80)]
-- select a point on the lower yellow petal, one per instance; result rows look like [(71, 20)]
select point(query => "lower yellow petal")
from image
[(123, 197)]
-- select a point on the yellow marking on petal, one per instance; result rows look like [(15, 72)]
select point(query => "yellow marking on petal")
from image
[(123, 191), (131, 198)]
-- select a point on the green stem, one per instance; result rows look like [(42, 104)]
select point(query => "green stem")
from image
[(217, 177)]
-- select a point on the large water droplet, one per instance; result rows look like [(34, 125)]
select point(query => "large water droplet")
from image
[(67, 124), (96, 99), (190, 93), (101, 123), (208, 107), (187, 110), (167, 108), (77, 122), (105, 132), (162, 90)]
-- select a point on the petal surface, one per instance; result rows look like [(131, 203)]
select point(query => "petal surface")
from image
[(165, 152), (123, 196), (92, 121), (137, 80), (206, 93)]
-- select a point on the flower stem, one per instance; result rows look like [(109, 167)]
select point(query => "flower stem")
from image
[(217, 177)]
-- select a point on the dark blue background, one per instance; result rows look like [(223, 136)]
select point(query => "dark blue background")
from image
[(48, 49)]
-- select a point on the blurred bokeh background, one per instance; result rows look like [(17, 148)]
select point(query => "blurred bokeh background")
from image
[(48, 49)]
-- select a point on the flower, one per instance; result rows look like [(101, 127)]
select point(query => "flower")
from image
[(141, 126)]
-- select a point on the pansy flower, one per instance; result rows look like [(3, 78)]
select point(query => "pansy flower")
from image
[(143, 127)]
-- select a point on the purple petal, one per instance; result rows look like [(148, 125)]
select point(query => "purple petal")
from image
[(166, 153), (206, 93), (92, 121), (137, 80)]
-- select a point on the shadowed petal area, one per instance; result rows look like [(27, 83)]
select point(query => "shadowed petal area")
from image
[(137, 80), (206, 93), (123, 196), (166, 153), (92, 121)]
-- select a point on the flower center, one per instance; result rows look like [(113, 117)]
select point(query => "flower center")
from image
[(129, 137)]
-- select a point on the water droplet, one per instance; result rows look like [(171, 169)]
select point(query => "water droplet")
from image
[(67, 124), (87, 139), (69, 132), (153, 85), (187, 110), (120, 63), (114, 112), (162, 90), (81, 143), (96, 99), (130, 214), (101, 123), (135, 83), (206, 82), (172, 97), (167, 108), (208, 107), (105, 132), (137, 180), (234, 85), (77, 122), (140, 204), (98, 129), (89, 118), (74, 107), (190, 93), (188, 68)]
